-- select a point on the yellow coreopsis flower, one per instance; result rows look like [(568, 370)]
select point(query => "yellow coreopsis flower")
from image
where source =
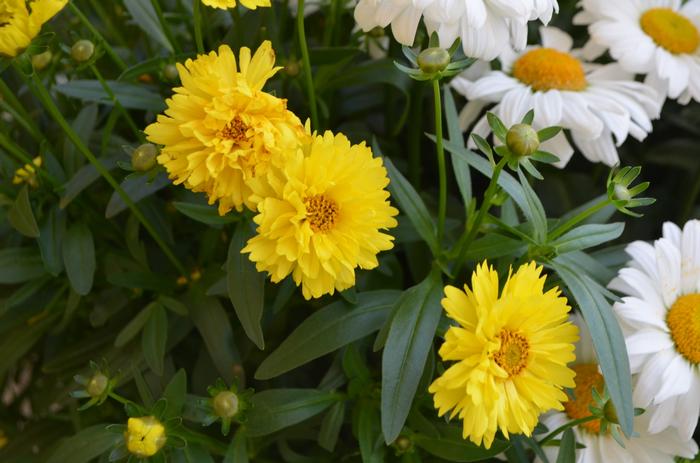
[(21, 21), (221, 130), (224, 4), (27, 174), (511, 351), (321, 215), (144, 436)]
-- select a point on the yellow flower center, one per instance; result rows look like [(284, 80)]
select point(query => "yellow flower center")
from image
[(587, 378), (514, 352), (321, 212), (548, 69), (235, 130), (670, 30), (683, 319)]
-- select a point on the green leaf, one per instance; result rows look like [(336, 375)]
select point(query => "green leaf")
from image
[(587, 236), (277, 409), (238, 449), (327, 330), (132, 328), (83, 125), (538, 219), (79, 258), (458, 450), (412, 205), (18, 265), (154, 338), (50, 241), (607, 337), (493, 246), (369, 434), (136, 188), (330, 426), (83, 178), (175, 393), (146, 17), (461, 169), (499, 130), (407, 346), (205, 214), (131, 96), (567, 448), (86, 445), (21, 216), (548, 133), (246, 286)]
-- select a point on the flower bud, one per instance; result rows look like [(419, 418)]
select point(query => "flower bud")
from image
[(144, 157), (82, 50), (522, 140), (225, 404), (292, 68), (41, 60), (97, 385), (403, 444), (610, 413), (144, 436), (622, 193), (170, 72), (433, 60)]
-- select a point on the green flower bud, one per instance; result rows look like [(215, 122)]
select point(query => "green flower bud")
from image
[(97, 385), (433, 60), (403, 444), (41, 60), (170, 72), (225, 404), (522, 140), (82, 50), (144, 157), (622, 193), (292, 68), (610, 413)]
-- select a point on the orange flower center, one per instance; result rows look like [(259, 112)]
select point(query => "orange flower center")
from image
[(235, 130), (321, 212), (587, 378), (683, 319), (548, 69), (670, 30), (514, 352)]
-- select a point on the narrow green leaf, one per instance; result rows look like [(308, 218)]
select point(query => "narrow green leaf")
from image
[(86, 445), (548, 133), (587, 236), (204, 213), (331, 425), (407, 346), (131, 96), (461, 169), (277, 409), (154, 338), (83, 178), (21, 216), (499, 130), (132, 328), (175, 393), (567, 448), (84, 125), (50, 241), (539, 218), (136, 188), (246, 286), (327, 330), (18, 265), (238, 449), (369, 434), (458, 450), (79, 258), (145, 16)]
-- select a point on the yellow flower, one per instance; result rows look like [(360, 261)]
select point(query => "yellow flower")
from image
[(144, 436), (27, 174), (223, 4), (511, 351), (221, 130), (320, 216), (21, 21)]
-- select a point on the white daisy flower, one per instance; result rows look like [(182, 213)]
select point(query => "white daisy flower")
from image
[(660, 318), (481, 24), (599, 105), (659, 38), (599, 446)]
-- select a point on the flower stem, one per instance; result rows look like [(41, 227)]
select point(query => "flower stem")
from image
[(11, 104), (43, 95), (108, 48), (116, 102), (581, 216), (197, 13), (166, 28), (442, 204), (301, 32), (564, 427)]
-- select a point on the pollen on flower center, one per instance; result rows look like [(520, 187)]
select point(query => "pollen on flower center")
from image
[(321, 212), (587, 378), (514, 352), (548, 69), (235, 130), (670, 30), (683, 319)]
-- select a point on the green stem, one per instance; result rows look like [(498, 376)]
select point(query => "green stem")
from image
[(442, 172), (466, 240), (236, 21), (581, 216), (564, 427), (11, 104), (166, 28), (301, 32), (108, 48), (197, 13), (43, 95), (120, 399), (117, 104), (108, 22)]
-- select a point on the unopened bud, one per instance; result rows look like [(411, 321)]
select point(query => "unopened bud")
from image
[(522, 140), (292, 68), (144, 436), (41, 60), (403, 444), (610, 412), (170, 72), (97, 385), (433, 60), (622, 193), (144, 157), (226, 404), (82, 50)]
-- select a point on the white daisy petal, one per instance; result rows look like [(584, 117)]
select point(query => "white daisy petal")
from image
[(668, 259), (690, 257)]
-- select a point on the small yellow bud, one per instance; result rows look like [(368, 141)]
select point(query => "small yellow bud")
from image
[(522, 140), (432, 60), (41, 60), (144, 157), (226, 404), (82, 50), (144, 436), (97, 385)]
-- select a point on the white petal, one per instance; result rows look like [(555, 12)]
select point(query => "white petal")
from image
[(668, 259), (690, 260)]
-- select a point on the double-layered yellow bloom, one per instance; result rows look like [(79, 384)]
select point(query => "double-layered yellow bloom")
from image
[(21, 21), (511, 353), (224, 4), (221, 130), (321, 215)]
